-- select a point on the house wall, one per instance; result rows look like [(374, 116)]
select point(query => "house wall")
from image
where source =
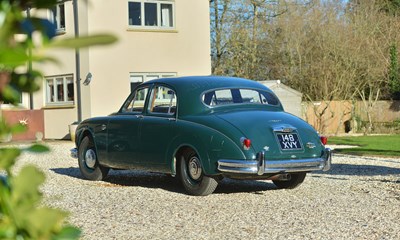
[(184, 51)]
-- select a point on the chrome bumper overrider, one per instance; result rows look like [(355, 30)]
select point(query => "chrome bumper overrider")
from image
[(262, 165), (74, 153)]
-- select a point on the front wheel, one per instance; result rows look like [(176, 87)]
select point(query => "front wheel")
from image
[(88, 162), (295, 180), (192, 176)]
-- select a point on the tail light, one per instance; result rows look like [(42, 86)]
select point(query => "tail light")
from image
[(324, 140), (246, 143)]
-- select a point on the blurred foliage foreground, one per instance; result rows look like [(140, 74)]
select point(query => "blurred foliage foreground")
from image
[(22, 216)]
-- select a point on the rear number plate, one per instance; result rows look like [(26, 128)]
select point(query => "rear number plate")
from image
[(289, 141)]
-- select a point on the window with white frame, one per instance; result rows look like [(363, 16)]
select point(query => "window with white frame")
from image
[(57, 17), (151, 14), (137, 78), (60, 90)]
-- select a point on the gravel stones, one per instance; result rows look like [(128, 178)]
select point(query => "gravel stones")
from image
[(358, 199)]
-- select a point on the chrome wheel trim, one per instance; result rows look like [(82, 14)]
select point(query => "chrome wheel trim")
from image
[(90, 158), (194, 168)]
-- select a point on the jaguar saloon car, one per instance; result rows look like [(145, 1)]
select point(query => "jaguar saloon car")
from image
[(201, 130)]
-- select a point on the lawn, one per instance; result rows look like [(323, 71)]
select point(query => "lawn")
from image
[(383, 145)]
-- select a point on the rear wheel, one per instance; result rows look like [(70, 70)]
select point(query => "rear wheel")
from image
[(192, 176), (295, 180), (88, 162)]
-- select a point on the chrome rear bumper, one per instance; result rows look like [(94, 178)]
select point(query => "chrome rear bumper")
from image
[(261, 165)]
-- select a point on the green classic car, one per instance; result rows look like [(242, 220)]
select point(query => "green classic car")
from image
[(202, 129)]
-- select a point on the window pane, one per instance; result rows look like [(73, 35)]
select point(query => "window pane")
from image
[(150, 14), (134, 9), (166, 15), (50, 90), (135, 81), (137, 102), (250, 96), (136, 78), (60, 89), (223, 97), (70, 89), (239, 96), (164, 101), (54, 16), (62, 17), (152, 77)]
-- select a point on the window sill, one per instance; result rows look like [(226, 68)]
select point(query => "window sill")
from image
[(60, 32), (59, 106), (142, 29)]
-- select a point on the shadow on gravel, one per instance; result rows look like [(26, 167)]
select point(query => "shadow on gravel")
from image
[(228, 186), (71, 171), (126, 178), (360, 170)]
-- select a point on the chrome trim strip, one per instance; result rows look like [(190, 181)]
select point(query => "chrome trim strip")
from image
[(284, 128), (74, 153), (261, 166)]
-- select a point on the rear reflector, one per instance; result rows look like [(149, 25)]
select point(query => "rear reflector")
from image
[(246, 143), (324, 140)]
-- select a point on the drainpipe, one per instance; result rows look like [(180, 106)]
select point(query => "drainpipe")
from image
[(28, 14), (77, 62)]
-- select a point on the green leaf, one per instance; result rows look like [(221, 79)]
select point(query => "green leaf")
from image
[(25, 187), (9, 94), (18, 128), (37, 148), (86, 41), (13, 57), (68, 233), (43, 222), (8, 157), (26, 82)]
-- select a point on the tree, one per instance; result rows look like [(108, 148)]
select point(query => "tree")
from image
[(394, 76), (328, 50)]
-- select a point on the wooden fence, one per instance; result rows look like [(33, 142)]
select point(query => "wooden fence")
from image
[(338, 117)]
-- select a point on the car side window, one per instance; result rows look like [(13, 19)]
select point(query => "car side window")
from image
[(162, 101), (239, 96), (136, 104)]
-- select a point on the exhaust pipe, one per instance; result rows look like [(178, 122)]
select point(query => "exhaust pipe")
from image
[(281, 177)]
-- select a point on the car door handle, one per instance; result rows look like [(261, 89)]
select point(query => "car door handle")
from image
[(139, 116), (171, 119)]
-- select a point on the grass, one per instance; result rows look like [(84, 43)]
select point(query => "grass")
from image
[(384, 145)]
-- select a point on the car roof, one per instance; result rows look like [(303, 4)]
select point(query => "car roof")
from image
[(190, 89)]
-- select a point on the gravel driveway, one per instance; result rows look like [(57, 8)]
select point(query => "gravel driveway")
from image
[(358, 199)]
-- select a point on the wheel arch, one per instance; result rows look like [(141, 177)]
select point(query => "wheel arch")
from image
[(209, 144), (181, 148), (82, 133)]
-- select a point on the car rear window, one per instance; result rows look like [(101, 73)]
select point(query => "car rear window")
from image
[(238, 96)]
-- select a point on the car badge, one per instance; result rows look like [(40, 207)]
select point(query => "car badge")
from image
[(275, 121), (310, 145), (266, 148)]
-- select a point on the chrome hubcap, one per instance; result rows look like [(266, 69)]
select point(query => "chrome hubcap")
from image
[(194, 168), (90, 158)]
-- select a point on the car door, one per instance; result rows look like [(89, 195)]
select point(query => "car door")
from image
[(124, 131), (158, 126)]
